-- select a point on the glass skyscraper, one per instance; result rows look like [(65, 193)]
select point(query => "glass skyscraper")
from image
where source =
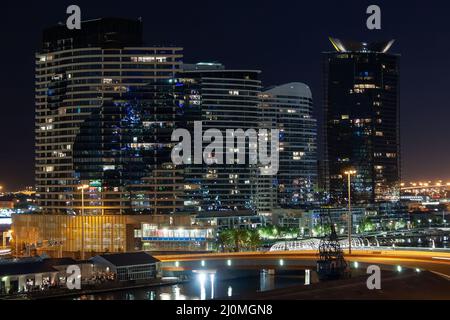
[(362, 121)]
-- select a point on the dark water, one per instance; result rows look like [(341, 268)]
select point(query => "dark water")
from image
[(207, 287), (417, 241)]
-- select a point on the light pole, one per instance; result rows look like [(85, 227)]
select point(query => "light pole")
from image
[(349, 173), (82, 188)]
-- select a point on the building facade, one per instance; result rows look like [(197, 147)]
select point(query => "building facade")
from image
[(221, 99), (78, 236), (80, 77), (122, 152), (289, 108), (362, 121)]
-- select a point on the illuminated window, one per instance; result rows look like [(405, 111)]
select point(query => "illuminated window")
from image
[(297, 155), (45, 58), (365, 86), (391, 155), (149, 59)]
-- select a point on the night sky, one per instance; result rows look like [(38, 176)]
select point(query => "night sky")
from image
[(283, 38)]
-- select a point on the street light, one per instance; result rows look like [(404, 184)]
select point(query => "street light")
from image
[(82, 188), (349, 173)]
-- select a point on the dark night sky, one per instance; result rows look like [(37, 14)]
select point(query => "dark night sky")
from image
[(283, 38)]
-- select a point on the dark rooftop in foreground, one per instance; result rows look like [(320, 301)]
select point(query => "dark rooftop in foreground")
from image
[(408, 285), (20, 268), (32, 265), (129, 259)]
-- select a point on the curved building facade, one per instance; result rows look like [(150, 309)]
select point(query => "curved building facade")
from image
[(289, 108)]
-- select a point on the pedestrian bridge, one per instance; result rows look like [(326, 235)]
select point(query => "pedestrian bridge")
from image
[(313, 244)]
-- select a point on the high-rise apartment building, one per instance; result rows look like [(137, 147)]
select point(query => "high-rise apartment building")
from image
[(221, 99), (96, 127), (362, 120), (289, 108), (123, 152)]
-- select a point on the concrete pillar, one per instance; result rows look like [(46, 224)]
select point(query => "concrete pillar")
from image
[(22, 283), (6, 283), (307, 277), (38, 279), (267, 280), (53, 277)]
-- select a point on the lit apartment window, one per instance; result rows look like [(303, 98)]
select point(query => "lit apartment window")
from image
[(391, 155), (297, 155), (233, 92), (148, 59), (45, 58), (365, 86)]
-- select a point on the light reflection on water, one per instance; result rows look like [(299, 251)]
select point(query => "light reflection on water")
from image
[(206, 286)]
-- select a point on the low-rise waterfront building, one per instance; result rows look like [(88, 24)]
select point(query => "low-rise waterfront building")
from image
[(37, 273), (129, 266), (64, 235)]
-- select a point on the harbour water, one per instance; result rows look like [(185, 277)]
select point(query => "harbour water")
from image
[(206, 287)]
